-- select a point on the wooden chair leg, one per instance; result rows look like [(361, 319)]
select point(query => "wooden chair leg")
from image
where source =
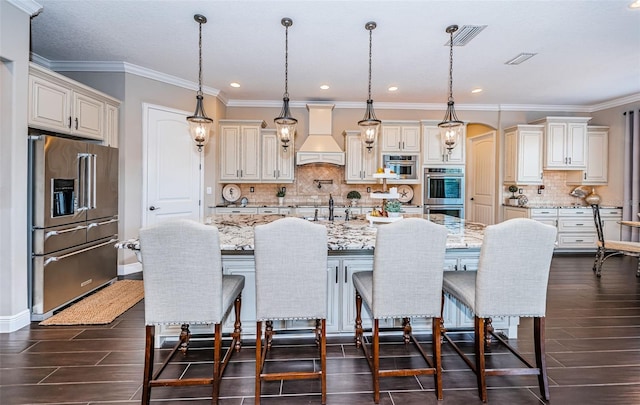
[(359, 330), (237, 324), (480, 360), (217, 366), (437, 355), (185, 336), (323, 360), (258, 361), (541, 361), (149, 354), (376, 362), (406, 330)]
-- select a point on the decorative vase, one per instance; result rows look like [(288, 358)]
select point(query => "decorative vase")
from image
[(592, 198), (513, 201), (280, 200), (393, 214), (354, 202)]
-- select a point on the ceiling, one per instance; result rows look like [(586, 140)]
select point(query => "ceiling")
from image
[(587, 52)]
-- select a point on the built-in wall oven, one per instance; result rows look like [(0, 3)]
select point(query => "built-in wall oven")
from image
[(444, 191)]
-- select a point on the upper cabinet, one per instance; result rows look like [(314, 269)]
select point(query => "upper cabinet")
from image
[(240, 150), (523, 154), (59, 104), (565, 142), (277, 163), (361, 163), (597, 158), (434, 152), (400, 136)]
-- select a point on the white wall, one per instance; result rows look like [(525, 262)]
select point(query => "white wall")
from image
[(14, 70)]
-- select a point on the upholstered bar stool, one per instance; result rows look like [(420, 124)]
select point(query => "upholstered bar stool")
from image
[(406, 282), (291, 284), (183, 285), (511, 280)]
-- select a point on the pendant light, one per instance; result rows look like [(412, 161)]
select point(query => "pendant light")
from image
[(369, 125), (451, 127), (199, 123), (285, 123)]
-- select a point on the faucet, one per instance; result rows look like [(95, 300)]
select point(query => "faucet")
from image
[(330, 208), (346, 214), (315, 215)]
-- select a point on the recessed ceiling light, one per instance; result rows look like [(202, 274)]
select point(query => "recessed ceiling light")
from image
[(635, 4), (234, 84), (393, 88), (324, 87), (478, 90), (520, 58)]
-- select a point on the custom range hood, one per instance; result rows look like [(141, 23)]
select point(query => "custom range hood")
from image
[(320, 147)]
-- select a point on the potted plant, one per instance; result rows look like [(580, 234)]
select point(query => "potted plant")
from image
[(280, 193), (393, 208), (354, 196), (513, 200)]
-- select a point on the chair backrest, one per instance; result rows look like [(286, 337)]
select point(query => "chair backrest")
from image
[(182, 271), (291, 270), (407, 269), (513, 271), (598, 222)]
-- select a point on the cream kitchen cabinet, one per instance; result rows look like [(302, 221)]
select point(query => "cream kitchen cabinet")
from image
[(523, 154), (236, 210), (434, 153), (240, 150), (597, 163), (514, 212), (565, 142), (111, 126), (361, 163), (400, 136), (277, 163), (611, 227), (62, 105)]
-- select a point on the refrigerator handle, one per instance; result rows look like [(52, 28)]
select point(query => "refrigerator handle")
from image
[(91, 178), (81, 181), (58, 258)]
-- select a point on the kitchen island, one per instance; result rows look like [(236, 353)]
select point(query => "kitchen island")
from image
[(350, 248)]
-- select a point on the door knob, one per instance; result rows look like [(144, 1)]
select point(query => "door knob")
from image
[(471, 198), (152, 208)]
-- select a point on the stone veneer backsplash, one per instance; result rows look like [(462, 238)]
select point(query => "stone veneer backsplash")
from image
[(304, 190), (555, 192)]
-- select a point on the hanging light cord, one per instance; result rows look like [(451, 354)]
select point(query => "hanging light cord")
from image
[(286, 61), (200, 60), (370, 36), (451, 66)]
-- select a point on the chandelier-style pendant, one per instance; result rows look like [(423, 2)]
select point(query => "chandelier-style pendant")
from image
[(285, 123), (451, 127), (199, 124), (369, 125)]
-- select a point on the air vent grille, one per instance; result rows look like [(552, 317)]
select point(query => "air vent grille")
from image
[(520, 58), (466, 34)]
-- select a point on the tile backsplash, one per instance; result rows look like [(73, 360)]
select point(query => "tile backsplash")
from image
[(555, 192)]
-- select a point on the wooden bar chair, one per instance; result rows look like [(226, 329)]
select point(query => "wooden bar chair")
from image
[(511, 280), (608, 248), (291, 284), (406, 282), (183, 285)]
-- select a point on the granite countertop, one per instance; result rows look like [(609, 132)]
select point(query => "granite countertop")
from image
[(236, 233)]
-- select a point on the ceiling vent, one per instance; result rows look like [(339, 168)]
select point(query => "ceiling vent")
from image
[(520, 58), (466, 34)]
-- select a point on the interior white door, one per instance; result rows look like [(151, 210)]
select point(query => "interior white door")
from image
[(172, 163), (481, 179)]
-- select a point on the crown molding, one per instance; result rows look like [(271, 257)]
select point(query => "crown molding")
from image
[(28, 6), (125, 67)]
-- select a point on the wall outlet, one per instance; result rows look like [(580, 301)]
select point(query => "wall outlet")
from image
[(209, 190), (519, 191), (368, 189), (251, 189)]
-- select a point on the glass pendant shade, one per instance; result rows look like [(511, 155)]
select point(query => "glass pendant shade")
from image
[(369, 127), (199, 124), (285, 123)]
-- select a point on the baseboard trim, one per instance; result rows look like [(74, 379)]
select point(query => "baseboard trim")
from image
[(126, 269), (12, 323)]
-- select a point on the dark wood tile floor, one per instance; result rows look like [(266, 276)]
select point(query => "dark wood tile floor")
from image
[(593, 354)]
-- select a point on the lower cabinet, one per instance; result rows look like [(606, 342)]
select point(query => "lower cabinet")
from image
[(341, 309)]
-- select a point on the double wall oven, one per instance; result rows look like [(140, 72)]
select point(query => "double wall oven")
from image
[(444, 191)]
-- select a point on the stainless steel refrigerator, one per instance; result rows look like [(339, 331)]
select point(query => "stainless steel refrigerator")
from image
[(73, 213)]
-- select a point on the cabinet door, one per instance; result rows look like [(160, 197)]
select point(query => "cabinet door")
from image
[(229, 153), (611, 228), (556, 154), (529, 160), (510, 157), (576, 144), (432, 151), (511, 213), (250, 153), (49, 105), (391, 138), (286, 164), (111, 127), (88, 116), (369, 164), (269, 157), (597, 158), (410, 141), (353, 170)]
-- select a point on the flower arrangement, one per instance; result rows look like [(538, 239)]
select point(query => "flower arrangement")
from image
[(353, 195), (280, 192), (393, 206)]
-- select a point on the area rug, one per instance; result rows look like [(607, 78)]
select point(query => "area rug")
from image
[(101, 307)]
